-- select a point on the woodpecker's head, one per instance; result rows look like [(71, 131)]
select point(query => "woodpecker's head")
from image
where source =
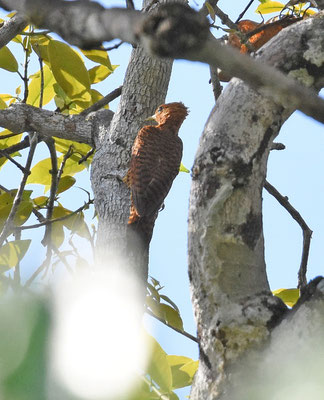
[(171, 114)]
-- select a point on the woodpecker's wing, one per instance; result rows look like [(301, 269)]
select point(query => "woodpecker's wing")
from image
[(155, 162)]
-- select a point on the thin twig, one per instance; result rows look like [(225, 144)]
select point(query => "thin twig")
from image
[(244, 11), (8, 226), (184, 333), (67, 155), (18, 146), (102, 102), (224, 18), (8, 136), (50, 143), (204, 10), (114, 47), (264, 27), (45, 32), (39, 270), (38, 215), (85, 157), (277, 146), (44, 223), (41, 82), (307, 232), (4, 189), (25, 77), (3, 153), (62, 259)]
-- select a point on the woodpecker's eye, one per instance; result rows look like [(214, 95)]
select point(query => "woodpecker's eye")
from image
[(160, 109)]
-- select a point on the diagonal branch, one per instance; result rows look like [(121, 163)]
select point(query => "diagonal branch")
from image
[(307, 232), (21, 117), (11, 28), (87, 24), (184, 333), (3, 153), (8, 226), (102, 102)]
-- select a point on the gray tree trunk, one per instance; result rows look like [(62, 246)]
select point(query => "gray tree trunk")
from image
[(234, 309), (145, 87)]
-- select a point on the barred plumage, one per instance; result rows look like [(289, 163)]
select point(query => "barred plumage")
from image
[(155, 162)]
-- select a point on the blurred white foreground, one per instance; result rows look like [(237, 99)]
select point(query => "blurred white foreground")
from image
[(97, 346)]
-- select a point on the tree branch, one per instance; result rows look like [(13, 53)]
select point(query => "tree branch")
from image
[(102, 102), (87, 24), (307, 232), (44, 223), (184, 333), (11, 28), (3, 153), (8, 225), (21, 117)]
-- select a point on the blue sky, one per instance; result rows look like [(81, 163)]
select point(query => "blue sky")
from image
[(296, 172)]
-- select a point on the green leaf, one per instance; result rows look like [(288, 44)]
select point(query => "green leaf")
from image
[(288, 296), (99, 56), (11, 253), (270, 7), (34, 88), (98, 73), (154, 292), (183, 168), (96, 96), (9, 141), (79, 149), (24, 209), (65, 183), (39, 44), (211, 11), (75, 223), (154, 306), (171, 316), (3, 105), (70, 72), (168, 300), (40, 173), (7, 60), (57, 233), (155, 282), (40, 201), (183, 370), (159, 368), (72, 166)]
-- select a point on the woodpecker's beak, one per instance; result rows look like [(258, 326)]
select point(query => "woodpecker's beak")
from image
[(152, 118)]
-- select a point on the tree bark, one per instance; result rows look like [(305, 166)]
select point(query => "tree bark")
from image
[(145, 87), (233, 306)]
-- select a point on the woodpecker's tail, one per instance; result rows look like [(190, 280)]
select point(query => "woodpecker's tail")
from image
[(141, 227)]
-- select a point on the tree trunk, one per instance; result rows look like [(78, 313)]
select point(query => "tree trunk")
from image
[(233, 306), (145, 87)]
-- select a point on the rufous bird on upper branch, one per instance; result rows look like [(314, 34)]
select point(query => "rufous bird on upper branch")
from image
[(155, 162)]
